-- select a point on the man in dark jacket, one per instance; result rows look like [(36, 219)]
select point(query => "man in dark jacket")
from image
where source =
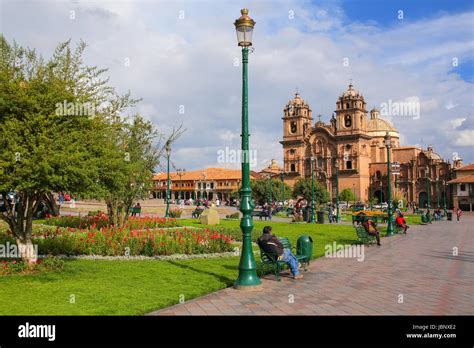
[(272, 245)]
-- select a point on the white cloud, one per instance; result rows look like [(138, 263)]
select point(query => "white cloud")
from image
[(465, 138), (181, 62), (457, 122)]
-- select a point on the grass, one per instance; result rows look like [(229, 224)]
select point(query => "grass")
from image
[(139, 287), (114, 288)]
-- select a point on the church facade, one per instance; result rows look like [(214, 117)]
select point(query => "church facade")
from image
[(354, 139)]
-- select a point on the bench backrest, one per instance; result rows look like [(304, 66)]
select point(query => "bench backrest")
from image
[(361, 231), (285, 242)]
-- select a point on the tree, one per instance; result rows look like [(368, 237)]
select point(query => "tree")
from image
[(46, 147), (347, 195), (303, 187)]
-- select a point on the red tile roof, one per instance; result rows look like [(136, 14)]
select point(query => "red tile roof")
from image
[(468, 179), (211, 174), (469, 166)]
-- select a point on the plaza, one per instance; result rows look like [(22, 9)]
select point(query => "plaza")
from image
[(162, 162)]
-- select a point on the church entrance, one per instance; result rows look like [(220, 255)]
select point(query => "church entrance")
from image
[(422, 200), (379, 196)]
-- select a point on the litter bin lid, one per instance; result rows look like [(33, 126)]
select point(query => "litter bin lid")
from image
[(305, 238)]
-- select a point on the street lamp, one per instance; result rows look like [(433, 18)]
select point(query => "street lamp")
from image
[(444, 198), (388, 145), (338, 216), (168, 193), (247, 278), (428, 190), (180, 172), (312, 190), (270, 189), (282, 177), (437, 193)]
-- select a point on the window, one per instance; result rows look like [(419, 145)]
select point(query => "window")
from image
[(293, 168), (348, 164), (320, 162), (378, 174), (292, 151), (293, 127), (462, 187), (347, 121)]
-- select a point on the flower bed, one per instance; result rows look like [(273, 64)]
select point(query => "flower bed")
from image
[(101, 220), (10, 267), (109, 241)]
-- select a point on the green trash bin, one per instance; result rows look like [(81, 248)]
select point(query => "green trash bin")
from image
[(304, 246), (449, 216), (424, 219), (320, 217)]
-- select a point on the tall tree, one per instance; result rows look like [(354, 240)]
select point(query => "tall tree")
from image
[(52, 124), (303, 187)]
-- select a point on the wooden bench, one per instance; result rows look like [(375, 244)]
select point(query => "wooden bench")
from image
[(270, 263), (364, 237), (196, 212)]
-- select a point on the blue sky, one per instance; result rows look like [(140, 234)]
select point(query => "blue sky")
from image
[(183, 56)]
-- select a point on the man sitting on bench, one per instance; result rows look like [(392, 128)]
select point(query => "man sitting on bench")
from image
[(400, 221), (371, 228), (270, 244)]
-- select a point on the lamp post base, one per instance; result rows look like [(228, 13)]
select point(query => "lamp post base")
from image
[(258, 287)]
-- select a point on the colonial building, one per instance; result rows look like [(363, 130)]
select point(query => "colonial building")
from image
[(209, 183), (354, 140), (463, 187)]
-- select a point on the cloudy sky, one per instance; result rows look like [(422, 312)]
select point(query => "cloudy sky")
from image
[(182, 58)]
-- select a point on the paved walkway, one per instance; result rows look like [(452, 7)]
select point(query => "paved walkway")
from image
[(412, 275)]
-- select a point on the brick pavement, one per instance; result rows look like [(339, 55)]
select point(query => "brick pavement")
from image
[(420, 267)]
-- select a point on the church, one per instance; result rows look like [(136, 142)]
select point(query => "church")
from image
[(354, 141)]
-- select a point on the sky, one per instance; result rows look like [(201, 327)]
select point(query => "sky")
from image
[(182, 59)]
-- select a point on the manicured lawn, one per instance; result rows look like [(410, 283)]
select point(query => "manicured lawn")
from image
[(139, 287), (114, 287)]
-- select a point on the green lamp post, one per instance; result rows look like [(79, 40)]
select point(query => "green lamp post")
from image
[(168, 192), (313, 220), (372, 180), (428, 191), (338, 215), (180, 172), (282, 177), (444, 198), (270, 189), (247, 278), (388, 145), (437, 194)]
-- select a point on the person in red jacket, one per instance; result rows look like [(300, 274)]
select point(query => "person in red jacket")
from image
[(400, 221)]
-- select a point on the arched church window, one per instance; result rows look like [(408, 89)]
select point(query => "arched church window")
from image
[(293, 127), (347, 121), (348, 164), (293, 168), (378, 174), (347, 105)]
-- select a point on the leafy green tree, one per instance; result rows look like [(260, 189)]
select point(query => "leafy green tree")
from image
[(303, 187), (45, 146), (347, 195), (63, 129)]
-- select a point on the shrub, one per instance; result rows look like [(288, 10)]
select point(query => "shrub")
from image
[(235, 215), (175, 213)]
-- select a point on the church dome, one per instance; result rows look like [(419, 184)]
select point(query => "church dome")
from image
[(379, 127), (297, 100), (351, 92)]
